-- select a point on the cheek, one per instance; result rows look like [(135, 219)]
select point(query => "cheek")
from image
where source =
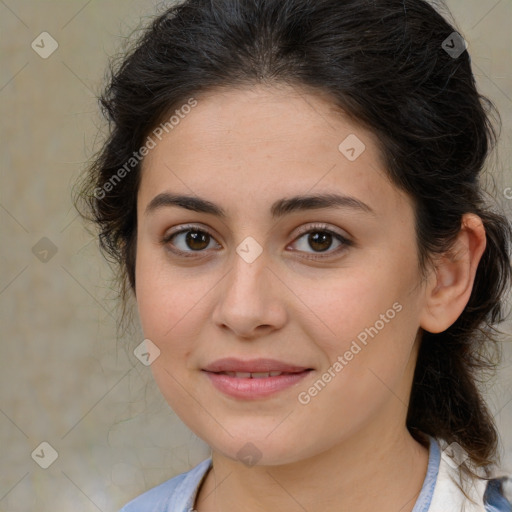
[(165, 309), (173, 312), (163, 297), (362, 299), (368, 366), (369, 323)]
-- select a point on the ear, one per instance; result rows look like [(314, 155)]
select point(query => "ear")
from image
[(451, 281)]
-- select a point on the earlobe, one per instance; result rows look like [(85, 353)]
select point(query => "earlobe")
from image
[(449, 287)]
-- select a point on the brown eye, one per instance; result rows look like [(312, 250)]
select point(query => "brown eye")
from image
[(320, 240), (197, 240), (188, 241)]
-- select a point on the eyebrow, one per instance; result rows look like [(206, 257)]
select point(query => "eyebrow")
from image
[(278, 209)]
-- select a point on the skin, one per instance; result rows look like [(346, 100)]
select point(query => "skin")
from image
[(348, 448)]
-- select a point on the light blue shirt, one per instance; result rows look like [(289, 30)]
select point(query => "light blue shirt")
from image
[(179, 493)]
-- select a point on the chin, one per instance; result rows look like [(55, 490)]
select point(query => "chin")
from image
[(259, 451)]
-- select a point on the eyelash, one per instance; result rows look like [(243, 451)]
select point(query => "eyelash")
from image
[(316, 228)]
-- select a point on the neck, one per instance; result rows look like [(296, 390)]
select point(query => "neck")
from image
[(353, 475)]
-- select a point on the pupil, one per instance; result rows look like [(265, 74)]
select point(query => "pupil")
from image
[(197, 237), (319, 239)]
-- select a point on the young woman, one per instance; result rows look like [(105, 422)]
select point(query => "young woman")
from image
[(291, 189)]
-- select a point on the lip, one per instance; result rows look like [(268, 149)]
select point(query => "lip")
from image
[(232, 364), (250, 388)]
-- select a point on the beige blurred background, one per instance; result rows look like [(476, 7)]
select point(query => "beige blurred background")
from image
[(65, 378)]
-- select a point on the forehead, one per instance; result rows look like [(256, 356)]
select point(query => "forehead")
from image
[(281, 117), (263, 141)]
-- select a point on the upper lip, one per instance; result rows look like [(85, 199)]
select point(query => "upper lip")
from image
[(231, 364)]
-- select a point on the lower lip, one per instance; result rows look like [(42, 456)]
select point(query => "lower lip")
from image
[(248, 388)]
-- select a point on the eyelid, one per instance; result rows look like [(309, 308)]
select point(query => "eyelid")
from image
[(185, 227), (188, 227), (320, 227)]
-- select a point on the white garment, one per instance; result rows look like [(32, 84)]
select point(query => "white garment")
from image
[(448, 495)]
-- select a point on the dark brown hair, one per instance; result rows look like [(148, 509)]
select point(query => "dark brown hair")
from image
[(386, 64)]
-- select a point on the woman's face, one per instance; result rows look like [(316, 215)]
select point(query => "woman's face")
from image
[(270, 279)]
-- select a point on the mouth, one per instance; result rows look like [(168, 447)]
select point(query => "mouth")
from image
[(258, 367), (249, 380), (256, 375)]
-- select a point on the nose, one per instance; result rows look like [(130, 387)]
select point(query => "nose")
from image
[(249, 301)]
